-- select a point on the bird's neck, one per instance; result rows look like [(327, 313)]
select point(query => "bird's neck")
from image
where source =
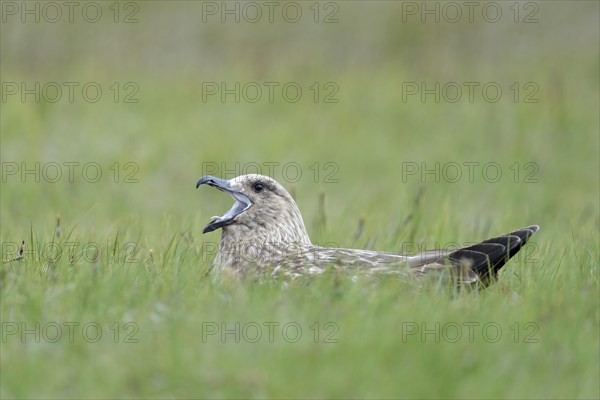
[(242, 245)]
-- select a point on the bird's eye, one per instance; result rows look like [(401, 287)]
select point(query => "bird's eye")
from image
[(259, 187)]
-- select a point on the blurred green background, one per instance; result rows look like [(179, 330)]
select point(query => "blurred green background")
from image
[(158, 127)]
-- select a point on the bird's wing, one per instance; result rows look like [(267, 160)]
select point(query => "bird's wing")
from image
[(315, 259), (477, 263)]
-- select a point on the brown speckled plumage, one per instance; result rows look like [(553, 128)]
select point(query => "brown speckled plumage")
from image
[(265, 231)]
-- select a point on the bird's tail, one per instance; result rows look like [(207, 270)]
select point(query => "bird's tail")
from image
[(478, 263), (486, 259)]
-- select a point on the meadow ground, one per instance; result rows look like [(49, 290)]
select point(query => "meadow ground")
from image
[(111, 298)]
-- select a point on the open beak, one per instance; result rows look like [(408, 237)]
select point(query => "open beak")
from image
[(242, 202)]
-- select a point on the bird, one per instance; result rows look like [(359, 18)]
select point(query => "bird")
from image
[(264, 232)]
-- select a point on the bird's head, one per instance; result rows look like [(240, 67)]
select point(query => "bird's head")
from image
[(263, 209)]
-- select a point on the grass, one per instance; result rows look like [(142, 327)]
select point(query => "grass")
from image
[(125, 255)]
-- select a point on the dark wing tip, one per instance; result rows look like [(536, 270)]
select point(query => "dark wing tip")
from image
[(489, 256), (534, 228)]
